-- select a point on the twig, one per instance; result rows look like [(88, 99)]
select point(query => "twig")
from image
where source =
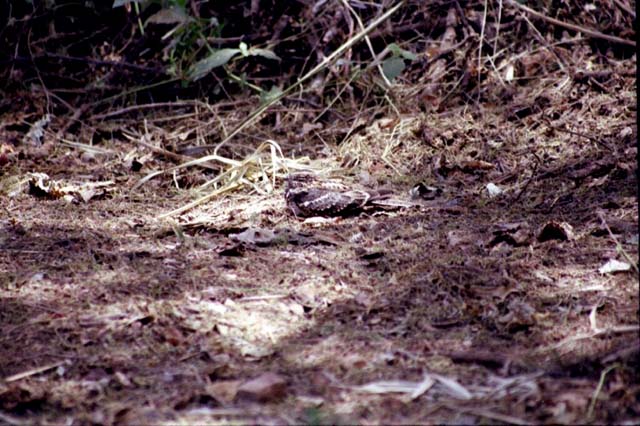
[(540, 37), (526, 185), (586, 31), (100, 62), (12, 420), (618, 330), (481, 412), (572, 132), (484, 23), (143, 106), (625, 7), (34, 371), (265, 297), (368, 41), (594, 398), (168, 154), (495, 39), (619, 247)]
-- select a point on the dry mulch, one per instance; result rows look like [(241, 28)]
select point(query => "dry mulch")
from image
[(466, 308), (493, 301)]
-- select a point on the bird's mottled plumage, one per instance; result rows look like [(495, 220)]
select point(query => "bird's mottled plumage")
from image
[(307, 196)]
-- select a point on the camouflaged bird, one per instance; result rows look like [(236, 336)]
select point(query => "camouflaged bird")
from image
[(307, 196)]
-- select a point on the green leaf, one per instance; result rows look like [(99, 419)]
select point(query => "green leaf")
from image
[(393, 67), (265, 53), (243, 49), (397, 51), (172, 15), (267, 97), (118, 3), (216, 59)]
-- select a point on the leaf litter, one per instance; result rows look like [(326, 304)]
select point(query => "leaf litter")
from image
[(476, 306)]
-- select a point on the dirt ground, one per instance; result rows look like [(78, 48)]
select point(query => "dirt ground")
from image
[(485, 304)]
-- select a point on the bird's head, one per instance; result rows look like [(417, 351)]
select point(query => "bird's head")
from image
[(299, 179)]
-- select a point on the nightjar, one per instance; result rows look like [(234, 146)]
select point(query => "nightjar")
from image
[(306, 196)]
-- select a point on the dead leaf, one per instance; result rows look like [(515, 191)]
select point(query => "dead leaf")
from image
[(224, 391), (251, 350), (515, 234), (613, 266), (41, 185), (553, 230), (267, 387), (475, 165), (425, 192), (458, 238), (353, 362), (493, 190), (454, 388), (172, 335), (122, 379), (310, 127), (296, 309), (257, 236), (232, 250), (389, 386), (413, 389)]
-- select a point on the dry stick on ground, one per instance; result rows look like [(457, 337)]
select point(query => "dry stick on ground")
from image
[(582, 135), (618, 245), (586, 31), (622, 329), (561, 63), (495, 39), (34, 371), (533, 175), (13, 420), (168, 154), (121, 111), (483, 412), (480, 42), (594, 398), (626, 8)]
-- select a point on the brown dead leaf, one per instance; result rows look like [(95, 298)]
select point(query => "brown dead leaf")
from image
[(16, 395), (267, 387), (122, 379), (224, 391), (257, 236), (553, 230), (310, 127), (475, 165), (514, 234), (172, 335), (232, 250)]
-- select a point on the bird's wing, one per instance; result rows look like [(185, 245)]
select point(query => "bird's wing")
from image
[(322, 202)]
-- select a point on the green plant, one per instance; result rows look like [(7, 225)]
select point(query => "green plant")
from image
[(393, 66), (220, 57), (189, 36)]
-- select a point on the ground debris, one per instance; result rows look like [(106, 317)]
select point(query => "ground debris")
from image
[(268, 387)]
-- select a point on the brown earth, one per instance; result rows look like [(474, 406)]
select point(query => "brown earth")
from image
[(109, 315), (487, 303)]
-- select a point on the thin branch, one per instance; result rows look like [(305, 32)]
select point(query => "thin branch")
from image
[(586, 31), (625, 7)]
